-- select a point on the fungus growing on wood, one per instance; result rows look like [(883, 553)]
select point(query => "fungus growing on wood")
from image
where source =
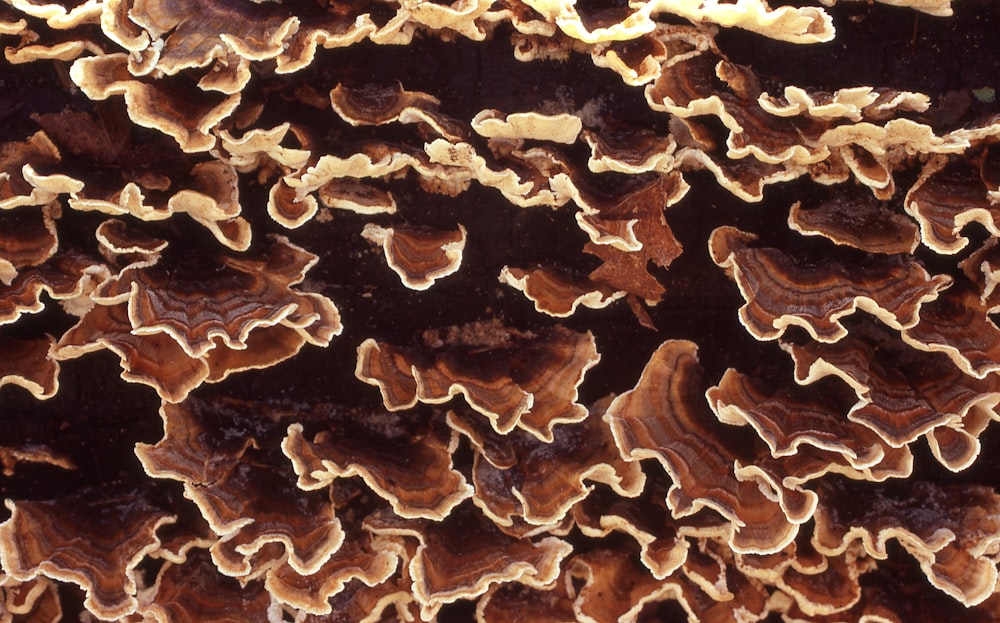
[(42, 539), (952, 551), (193, 589), (513, 475), (949, 195), (383, 448), (814, 376), (558, 294), (661, 418), (903, 393), (858, 222), (151, 105), (782, 292), (64, 276), (452, 563), (374, 105), (165, 321), (28, 239), (419, 256), (119, 238), (515, 379), (787, 419), (27, 363)]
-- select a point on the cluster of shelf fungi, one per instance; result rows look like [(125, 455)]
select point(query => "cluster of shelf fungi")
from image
[(516, 310)]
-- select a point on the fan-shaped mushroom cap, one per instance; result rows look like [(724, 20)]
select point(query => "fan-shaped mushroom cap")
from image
[(375, 105), (194, 590), (195, 447), (659, 419), (461, 16), (251, 151), (828, 591), (36, 599), (8, 26), (853, 103), (797, 25), (786, 419), (119, 237), (745, 178), (902, 393), (127, 200), (64, 276), (639, 151), (981, 267), (523, 380), (288, 208), (522, 481), (420, 256), (688, 90), (562, 128), (214, 202), (358, 444), (187, 120), (378, 105), (510, 601), (556, 293), (356, 196), (367, 604), (781, 292), (615, 587), (19, 183), (639, 60), (199, 32), (58, 16), (843, 103), (859, 222), (29, 364), (362, 560), (949, 530), (337, 181), (211, 199), (647, 519), (155, 360), (27, 239), (210, 447), (164, 357), (957, 324), (463, 555), (948, 196), (64, 51), (11, 456), (41, 538), (172, 299), (254, 506), (518, 184)]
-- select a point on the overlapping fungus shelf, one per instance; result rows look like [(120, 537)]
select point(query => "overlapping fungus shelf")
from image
[(499, 310)]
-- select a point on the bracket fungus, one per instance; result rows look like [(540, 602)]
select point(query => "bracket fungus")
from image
[(362, 259), (419, 257)]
